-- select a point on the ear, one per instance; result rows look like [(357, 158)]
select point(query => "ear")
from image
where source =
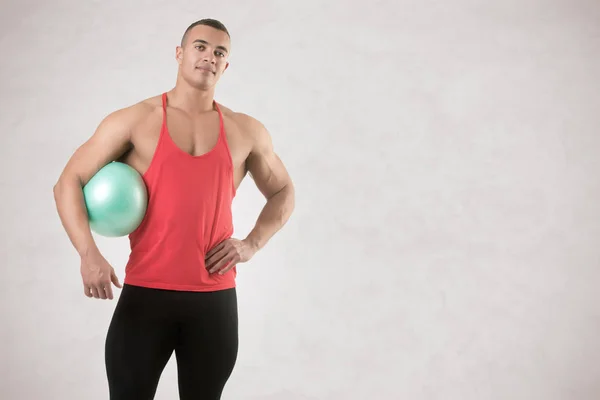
[(179, 54), (226, 66)]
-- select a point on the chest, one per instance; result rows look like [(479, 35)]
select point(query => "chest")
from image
[(195, 136)]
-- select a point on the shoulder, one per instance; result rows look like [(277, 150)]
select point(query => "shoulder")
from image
[(249, 126), (135, 113)]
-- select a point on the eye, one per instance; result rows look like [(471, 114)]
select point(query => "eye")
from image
[(220, 54), (200, 47)]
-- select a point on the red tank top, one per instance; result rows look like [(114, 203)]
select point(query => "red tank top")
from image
[(189, 212)]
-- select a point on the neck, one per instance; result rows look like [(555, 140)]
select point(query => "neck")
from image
[(191, 99)]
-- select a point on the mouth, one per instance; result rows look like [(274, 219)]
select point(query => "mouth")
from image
[(206, 70)]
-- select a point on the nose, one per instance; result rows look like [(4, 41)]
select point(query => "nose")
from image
[(209, 57)]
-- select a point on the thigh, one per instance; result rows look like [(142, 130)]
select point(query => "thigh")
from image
[(139, 342), (208, 344)]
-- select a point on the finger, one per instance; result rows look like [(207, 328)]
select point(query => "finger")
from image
[(223, 262), (217, 256), (94, 291), (102, 290), (216, 248), (87, 291), (227, 268), (108, 291), (115, 279), (219, 264)]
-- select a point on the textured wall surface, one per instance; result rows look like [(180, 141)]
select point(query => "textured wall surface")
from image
[(445, 156)]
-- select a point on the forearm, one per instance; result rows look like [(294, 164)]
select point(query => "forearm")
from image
[(273, 217), (70, 204)]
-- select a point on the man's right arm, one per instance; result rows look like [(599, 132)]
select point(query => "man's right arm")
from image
[(111, 139)]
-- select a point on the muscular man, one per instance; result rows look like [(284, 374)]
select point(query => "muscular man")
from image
[(178, 294)]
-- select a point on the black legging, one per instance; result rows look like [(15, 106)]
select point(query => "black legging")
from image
[(149, 324)]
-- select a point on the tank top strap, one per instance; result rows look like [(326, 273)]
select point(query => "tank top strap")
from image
[(223, 135), (221, 123), (164, 107)]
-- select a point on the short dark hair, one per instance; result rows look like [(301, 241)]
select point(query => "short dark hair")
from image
[(213, 23)]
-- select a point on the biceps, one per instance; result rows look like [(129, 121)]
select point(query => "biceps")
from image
[(268, 172), (108, 143)]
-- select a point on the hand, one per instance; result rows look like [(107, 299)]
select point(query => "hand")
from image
[(227, 254), (97, 276)]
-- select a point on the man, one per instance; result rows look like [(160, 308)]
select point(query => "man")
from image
[(178, 294)]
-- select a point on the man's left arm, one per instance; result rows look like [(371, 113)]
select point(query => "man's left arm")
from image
[(273, 181)]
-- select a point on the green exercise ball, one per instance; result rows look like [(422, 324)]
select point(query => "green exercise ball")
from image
[(116, 199)]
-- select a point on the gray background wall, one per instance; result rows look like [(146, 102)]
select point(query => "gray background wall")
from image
[(445, 155)]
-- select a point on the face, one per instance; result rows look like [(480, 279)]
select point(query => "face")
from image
[(203, 57)]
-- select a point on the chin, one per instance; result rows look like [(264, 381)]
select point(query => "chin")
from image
[(202, 84)]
